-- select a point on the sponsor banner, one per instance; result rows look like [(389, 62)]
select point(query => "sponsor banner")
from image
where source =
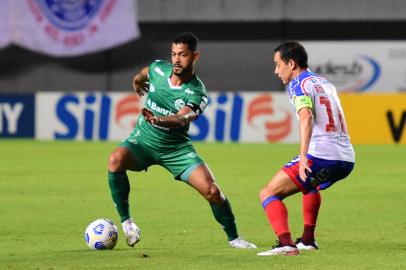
[(17, 116), (70, 28), (86, 116), (237, 117), (360, 66), (375, 118), (247, 117), (229, 117)]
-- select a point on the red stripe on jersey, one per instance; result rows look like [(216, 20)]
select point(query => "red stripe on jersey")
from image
[(303, 82)]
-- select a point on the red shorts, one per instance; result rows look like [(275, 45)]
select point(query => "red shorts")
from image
[(324, 173)]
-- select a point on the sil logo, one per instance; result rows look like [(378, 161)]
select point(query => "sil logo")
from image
[(127, 110), (68, 14), (262, 114), (179, 104)]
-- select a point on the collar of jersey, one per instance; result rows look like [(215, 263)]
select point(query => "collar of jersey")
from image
[(304, 74), (295, 81), (173, 86)]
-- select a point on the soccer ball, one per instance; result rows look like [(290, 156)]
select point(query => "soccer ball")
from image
[(101, 234)]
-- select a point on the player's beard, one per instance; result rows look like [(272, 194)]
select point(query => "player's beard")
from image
[(179, 70)]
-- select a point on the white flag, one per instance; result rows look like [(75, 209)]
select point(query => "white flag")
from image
[(5, 35), (73, 27)]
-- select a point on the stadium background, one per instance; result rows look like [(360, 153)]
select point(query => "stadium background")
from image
[(78, 107), (237, 39), (245, 31)]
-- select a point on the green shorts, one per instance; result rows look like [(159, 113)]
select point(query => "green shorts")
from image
[(180, 162)]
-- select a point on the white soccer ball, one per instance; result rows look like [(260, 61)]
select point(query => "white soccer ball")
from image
[(101, 234)]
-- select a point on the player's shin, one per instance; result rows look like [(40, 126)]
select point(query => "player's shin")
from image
[(277, 215), (224, 215), (120, 188), (311, 206)]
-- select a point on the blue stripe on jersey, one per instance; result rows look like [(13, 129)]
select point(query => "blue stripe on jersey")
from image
[(294, 87)]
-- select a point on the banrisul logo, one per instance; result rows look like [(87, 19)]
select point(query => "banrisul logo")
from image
[(70, 15)]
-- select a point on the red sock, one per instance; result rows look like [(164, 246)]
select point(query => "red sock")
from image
[(278, 218), (311, 206)]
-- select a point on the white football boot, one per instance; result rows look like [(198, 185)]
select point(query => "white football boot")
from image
[(241, 243), (131, 231), (281, 250)]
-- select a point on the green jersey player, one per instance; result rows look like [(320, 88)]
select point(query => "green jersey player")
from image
[(175, 97)]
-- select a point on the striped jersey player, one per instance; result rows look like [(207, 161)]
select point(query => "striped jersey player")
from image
[(330, 139), (326, 154)]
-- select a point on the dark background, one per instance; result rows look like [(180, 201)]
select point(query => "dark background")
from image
[(237, 38)]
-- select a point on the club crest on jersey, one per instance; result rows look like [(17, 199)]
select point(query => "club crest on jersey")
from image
[(179, 104)]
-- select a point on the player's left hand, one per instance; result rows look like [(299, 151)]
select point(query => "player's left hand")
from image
[(304, 169), (149, 116), (141, 88)]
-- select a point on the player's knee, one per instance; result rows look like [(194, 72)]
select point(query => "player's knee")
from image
[(212, 194), (267, 192), (263, 194), (115, 162)]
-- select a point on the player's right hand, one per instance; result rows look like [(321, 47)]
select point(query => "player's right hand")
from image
[(141, 88), (149, 116), (304, 169)]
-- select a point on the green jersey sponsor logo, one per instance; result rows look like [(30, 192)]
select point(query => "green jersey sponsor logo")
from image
[(154, 107)]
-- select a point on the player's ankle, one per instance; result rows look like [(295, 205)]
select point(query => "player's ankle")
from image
[(285, 239), (128, 221)]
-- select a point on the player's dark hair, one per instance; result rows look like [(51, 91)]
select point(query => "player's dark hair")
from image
[(187, 38), (293, 50)]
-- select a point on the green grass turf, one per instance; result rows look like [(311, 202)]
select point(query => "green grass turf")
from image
[(50, 191)]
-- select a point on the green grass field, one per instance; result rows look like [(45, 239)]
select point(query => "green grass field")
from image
[(50, 191)]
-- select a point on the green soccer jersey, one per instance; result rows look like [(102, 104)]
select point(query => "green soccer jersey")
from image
[(164, 99)]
